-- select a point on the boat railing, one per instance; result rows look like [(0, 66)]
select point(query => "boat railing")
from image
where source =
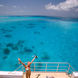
[(49, 67)]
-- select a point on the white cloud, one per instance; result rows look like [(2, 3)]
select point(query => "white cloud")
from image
[(66, 5), (14, 6), (1, 5)]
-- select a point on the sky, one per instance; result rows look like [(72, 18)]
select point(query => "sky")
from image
[(62, 8)]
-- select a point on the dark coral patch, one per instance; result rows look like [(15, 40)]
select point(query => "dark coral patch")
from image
[(5, 30), (13, 27), (4, 57), (31, 24), (15, 47), (9, 30), (10, 45), (33, 46), (28, 50), (8, 36), (36, 32), (20, 42), (6, 51), (45, 56), (2, 29)]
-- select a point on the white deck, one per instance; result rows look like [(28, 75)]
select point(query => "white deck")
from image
[(8, 74), (17, 74), (48, 75)]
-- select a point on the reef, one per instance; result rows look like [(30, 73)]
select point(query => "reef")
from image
[(6, 51), (45, 56), (30, 27), (36, 32), (33, 46), (13, 27), (31, 24), (8, 36), (5, 30), (27, 50), (10, 45), (20, 43), (4, 57), (15, 47)]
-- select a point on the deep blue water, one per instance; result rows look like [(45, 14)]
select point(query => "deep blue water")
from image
[(52, 39)]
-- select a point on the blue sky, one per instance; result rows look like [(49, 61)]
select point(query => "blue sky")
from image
[(64, 8)]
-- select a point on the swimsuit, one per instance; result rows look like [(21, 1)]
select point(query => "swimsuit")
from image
[(28, 71)]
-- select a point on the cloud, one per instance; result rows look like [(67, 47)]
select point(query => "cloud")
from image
[(66, 5), (1, 5), (14, 6)]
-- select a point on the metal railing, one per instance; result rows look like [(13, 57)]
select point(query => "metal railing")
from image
[(49, 67)]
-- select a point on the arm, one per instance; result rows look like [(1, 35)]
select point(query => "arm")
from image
[(33, 59), (21, 62)]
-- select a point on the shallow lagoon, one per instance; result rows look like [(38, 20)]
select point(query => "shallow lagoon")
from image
[(51, 39)]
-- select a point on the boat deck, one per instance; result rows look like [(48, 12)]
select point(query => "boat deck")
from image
[(48, 75)]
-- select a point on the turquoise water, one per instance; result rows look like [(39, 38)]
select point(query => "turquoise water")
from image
[(51, 39)]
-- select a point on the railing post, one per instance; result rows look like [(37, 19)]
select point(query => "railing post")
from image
[(23, 69), (46, 67), (57, 67), (68, 69), (34, 67)]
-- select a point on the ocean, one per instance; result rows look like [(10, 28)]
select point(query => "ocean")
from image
[(52, 39)]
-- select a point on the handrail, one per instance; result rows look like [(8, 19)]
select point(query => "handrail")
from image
[(59, 67), (71, 67)]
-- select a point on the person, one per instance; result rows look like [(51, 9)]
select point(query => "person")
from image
[(27, 67)]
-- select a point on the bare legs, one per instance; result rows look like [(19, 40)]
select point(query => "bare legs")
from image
[(27, 76), (28, 73)]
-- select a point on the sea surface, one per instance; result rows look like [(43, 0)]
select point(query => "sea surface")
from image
[(52, 39)]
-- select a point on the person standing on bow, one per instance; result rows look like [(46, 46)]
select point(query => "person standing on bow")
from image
[(27, 67)]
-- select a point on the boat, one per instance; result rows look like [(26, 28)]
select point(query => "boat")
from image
[(43, 70)]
